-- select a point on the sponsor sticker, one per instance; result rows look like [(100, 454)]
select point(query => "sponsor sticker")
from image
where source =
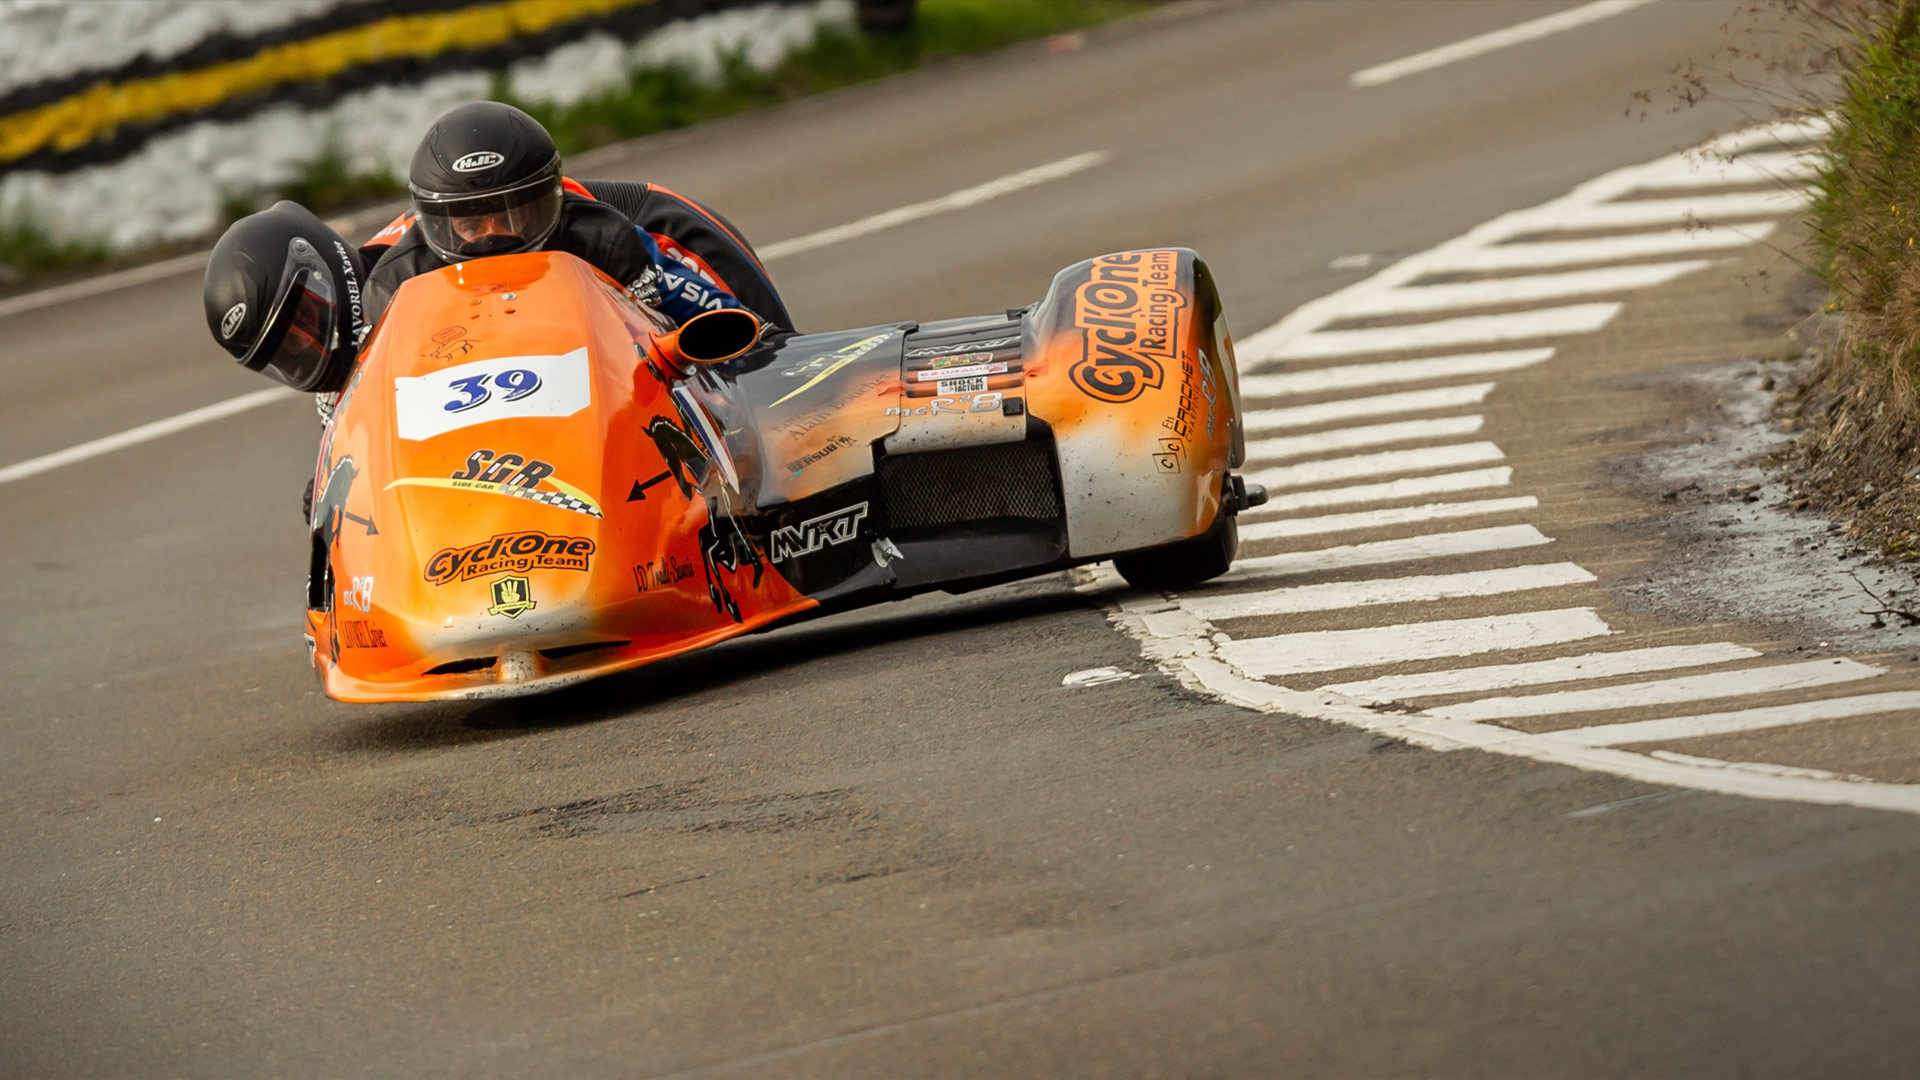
[(954, 406), (962, 346), (660, 573), (512, 597), (359, 596), (514, 552), (820, 367), (231, 320), (479, 159), (1130, 309), (833, 444), (512, 475), (959, 372), (818, 533), (962, 386), (361, 634), (461, 396), (961, 360)]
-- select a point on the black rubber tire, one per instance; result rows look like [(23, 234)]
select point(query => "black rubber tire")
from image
[(1185, 563)]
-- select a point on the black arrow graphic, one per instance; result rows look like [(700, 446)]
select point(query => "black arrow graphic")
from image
[(639, 492)]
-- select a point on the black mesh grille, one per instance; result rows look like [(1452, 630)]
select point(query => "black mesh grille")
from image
[(946, 487)]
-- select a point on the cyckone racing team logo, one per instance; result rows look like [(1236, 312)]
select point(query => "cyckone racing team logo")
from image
[(514, 552), (1130, 310)]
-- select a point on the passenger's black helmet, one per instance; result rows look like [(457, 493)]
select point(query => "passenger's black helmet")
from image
[(283, 296), (486, 181)]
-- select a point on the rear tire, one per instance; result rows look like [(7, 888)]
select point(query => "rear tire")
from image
[(1184, 563)]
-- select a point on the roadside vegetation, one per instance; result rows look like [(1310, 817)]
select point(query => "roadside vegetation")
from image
[(654, 100), (1857, 410)]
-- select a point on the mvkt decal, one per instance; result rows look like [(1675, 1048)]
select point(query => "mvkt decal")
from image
[(813, 534)]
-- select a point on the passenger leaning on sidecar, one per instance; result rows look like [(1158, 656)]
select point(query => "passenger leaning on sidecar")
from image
[(289, 298)]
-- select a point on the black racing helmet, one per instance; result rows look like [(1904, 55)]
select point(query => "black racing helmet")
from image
[(485, 181), (283, 296)]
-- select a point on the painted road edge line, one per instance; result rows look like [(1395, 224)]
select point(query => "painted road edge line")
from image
[(133, 436), (1531, 30)]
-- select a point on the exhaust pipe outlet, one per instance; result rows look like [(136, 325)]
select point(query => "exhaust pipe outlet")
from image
[(712, 337)]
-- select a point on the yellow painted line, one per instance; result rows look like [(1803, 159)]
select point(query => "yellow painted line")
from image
[(74, 121)]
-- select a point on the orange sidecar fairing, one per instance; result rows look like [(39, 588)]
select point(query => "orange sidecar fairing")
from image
[(513, 494)]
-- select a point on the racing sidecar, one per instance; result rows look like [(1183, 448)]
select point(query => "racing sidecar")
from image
[(532, 480)]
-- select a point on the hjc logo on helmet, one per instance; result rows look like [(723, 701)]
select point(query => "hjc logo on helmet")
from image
[(479, 159), (231, 320)]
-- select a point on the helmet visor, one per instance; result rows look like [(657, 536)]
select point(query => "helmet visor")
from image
[(297, 345), (496, 223)]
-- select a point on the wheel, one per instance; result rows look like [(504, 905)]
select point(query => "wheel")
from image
[(1184, 563)]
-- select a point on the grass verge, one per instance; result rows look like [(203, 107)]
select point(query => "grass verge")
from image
[(1857, 413), (654, 100)]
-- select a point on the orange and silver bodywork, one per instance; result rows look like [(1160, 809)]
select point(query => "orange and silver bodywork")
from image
[(519, 488)]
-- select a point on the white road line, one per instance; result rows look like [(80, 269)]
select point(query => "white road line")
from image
[(140, 275), (1415, 589), (1412, 488), (133, 436), (1331, 470), (195, 262), (1664, 692), (1769, 167), (1264, 421), (1380, 519), (1469, 330), (1531, 30), (105, 283), (1351, 376), (1542, 253), (1564, 669), (1321, 442), (1331, 650), (1409, 549), (1641, 212), (958, 200), (1726, 723), (1415, 299)]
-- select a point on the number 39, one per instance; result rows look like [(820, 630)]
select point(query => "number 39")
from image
[(517, 382)]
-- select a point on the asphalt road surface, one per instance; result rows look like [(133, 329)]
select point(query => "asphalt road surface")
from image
[(893, 843)]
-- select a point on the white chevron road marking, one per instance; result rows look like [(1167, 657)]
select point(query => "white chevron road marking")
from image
[(1419, 299), (1564, 669), (1352, 438), (1266, 421), (1379, 552), (1391, 516), (1386, 462), (1177, 634), (1727, 723), (1331, 650), (1545, 253), (1446, 333), (1419, 588), (1665, 692), (1354, 376)]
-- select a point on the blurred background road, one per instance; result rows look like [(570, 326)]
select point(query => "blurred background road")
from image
[(886, 844)]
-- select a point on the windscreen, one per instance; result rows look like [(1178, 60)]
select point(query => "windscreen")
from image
[(497, 223)]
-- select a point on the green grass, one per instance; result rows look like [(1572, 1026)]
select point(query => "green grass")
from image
[(28, 252), (1866, 210)]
